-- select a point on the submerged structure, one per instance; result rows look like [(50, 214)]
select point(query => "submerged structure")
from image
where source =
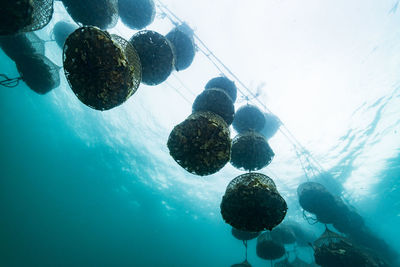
[(61, 31), (225, 84), (17, 45), (182, 43), (103, 70), (24, 15), (99, 13), (283, 234), (268, 249), (39, 73), (251, 151), (272, 124), (201, 144), (137, 14), (331, 249), (252, 203), (156, 56), (217, 101), (248, 118)]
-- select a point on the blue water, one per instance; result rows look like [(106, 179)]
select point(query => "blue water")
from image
[(79, 187)]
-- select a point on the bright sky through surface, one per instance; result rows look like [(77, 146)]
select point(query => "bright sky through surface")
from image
[(319, 61), (316, 63)]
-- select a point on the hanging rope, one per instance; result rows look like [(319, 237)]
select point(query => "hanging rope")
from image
[(310, 165), (245, 245), (9, 82), (183, 84), (311, 220), (178, 92)]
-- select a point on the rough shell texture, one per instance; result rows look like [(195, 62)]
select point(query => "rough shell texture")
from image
[(137, 14), (99, 13), (225, 84), (268, 249), (252, 203), (100, 68), (201, 144), (251, 151), (183, 46), (217, 101), (155, 54), (248, 118)]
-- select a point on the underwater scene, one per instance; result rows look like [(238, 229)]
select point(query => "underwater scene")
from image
[(200, 133)]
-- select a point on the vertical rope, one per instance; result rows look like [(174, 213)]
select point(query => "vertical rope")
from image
[(245, 244)]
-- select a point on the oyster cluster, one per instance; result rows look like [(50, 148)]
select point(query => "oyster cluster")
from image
[(217, 101), (98, 69), (251, 151), (252, 203), (155, 54), (201, 144)]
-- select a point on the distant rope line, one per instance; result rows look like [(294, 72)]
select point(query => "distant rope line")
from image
[(314, 166), (183, 84), (176, 90)]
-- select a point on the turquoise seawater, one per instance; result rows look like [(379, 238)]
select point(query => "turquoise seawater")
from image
[(80, 187)]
